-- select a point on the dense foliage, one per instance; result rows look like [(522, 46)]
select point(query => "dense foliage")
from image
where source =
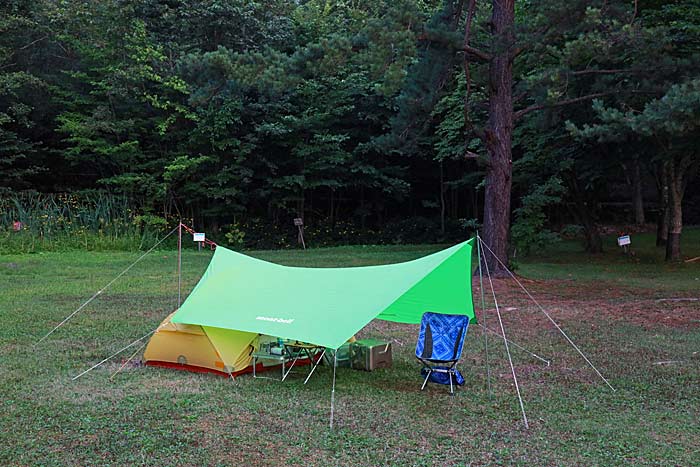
[(357, 116)]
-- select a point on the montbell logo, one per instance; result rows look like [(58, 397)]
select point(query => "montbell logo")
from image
[(276, 320)]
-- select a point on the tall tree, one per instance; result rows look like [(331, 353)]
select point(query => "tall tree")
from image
[(670, 123)]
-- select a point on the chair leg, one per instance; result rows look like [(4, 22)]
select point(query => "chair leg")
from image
[(452, 391), (425, 381)]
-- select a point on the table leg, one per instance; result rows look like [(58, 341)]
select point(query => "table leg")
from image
[(314, 365)]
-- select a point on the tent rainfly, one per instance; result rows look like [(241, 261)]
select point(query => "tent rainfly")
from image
[(240, 297)]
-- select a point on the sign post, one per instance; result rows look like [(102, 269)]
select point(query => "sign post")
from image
[(199, 237), (624, 241), (299, 222)]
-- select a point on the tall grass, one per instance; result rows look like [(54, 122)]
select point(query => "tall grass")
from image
[(67, 221)]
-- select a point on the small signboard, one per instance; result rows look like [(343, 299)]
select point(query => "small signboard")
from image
[(299, 223), (198, 236), (624, 240)]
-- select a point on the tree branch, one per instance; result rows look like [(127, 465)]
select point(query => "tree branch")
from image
[(594, 71), (519, 114), (33, 42), (476, 53), (610, 71)]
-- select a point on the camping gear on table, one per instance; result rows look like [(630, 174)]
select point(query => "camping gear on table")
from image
[(370, 354), (439, 347), (281, 353)]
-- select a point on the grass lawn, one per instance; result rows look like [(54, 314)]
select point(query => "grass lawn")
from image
[(615, 307)]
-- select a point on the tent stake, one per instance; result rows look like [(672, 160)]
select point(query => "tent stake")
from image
[(505, 342), (335, 363), (550, 318), (128, 360)]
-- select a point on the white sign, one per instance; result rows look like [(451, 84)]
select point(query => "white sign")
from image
[(198, 237), (624, 240), (298, 221)]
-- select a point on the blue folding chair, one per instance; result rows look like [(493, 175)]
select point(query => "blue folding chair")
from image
[(439, 347)]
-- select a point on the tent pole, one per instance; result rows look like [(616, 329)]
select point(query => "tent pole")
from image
[(97, 294), (483, 312), (505, 342), (179, 263), (335, 364), (556, 325)]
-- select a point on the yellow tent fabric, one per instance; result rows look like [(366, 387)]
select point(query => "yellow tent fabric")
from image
[(234, 347), (222, 350)]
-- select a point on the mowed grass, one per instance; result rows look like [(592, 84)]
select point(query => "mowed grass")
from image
[(649, 350)]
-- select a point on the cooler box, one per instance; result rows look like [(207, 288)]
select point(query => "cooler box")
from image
[(370, 354)]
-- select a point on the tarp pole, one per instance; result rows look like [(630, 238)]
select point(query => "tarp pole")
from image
[(97, 294), (505, 342), (550, 318), (483, 311), (179, 263), (335, 364)]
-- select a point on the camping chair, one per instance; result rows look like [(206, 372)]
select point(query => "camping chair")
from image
[(439, 347)]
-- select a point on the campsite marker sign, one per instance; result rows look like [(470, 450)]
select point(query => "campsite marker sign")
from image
[(624, 241), (299, 223), (199, 237)]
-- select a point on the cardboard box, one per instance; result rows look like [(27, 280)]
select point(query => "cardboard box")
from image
[(370, 354)]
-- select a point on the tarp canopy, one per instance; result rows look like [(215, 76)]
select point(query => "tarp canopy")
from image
[(326, 306)]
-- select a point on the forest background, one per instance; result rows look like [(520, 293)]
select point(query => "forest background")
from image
[(375, 121)]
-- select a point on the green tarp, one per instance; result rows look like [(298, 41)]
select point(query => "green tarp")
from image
[(326, 306)]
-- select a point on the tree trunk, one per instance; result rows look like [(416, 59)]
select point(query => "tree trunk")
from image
[(498, 136), (442, 199), (331, 211), (664, 216), (675, 202), (363, 215), (585, 216), (637, 200), (593, 243)]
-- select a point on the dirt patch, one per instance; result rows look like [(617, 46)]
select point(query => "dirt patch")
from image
[(577, 300)]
